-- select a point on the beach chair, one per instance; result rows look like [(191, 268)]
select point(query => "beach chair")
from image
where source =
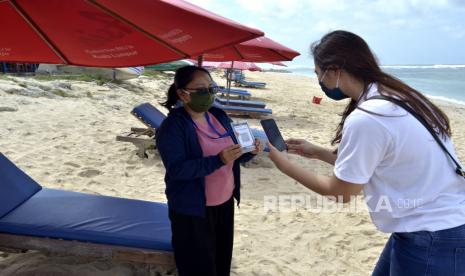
[(65, 222), (250, 84), (240, 93), (239, 80), (255, 104), (144, 138), (244, 111)]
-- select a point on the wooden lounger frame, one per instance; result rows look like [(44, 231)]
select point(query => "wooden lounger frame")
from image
[(239, 96), (19, 243), (244, 84), (142, 138), (253, 115)]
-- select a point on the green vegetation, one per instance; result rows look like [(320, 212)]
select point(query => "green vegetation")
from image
[(154, 74), (81, 77)]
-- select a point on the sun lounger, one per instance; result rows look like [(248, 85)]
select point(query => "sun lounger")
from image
[(250, 84), (143, 138), (239, 79), (58, 221), (255, 104), (245, 111), (241, 93)]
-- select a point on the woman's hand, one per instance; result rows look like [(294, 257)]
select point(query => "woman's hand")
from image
[(279, 158), (303, 148), (309, 150), (258, 146), (230, 154)]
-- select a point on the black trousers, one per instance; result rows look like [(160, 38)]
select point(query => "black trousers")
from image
[(203, 246)]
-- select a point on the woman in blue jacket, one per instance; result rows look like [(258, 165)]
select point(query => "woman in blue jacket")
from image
[(202, 161)]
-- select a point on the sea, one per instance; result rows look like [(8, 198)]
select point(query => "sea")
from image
[(443, 82)]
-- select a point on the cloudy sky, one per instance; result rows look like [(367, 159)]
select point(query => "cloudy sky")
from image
[(398, 31)]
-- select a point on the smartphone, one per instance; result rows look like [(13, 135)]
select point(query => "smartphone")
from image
[(273, 134)]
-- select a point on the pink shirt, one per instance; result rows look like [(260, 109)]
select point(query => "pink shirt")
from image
[(219, 185)]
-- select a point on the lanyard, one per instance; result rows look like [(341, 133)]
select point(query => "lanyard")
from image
[(212, 127)]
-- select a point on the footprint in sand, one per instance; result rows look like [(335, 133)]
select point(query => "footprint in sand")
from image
[(72, 164), (92, 182), (89, 173), (369, 232)]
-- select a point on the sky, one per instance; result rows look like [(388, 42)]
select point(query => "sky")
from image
[(400, 32)]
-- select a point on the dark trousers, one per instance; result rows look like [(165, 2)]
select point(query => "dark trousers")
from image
[(203, 246)]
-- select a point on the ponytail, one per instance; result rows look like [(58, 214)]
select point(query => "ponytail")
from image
[(172, 97)]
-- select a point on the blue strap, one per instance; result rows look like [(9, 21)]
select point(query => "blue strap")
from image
[(212, 127), (458, 169)]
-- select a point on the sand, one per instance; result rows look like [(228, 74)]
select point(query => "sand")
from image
[(62, 133)]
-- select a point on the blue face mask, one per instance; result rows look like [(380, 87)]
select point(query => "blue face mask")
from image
[(335, 93)]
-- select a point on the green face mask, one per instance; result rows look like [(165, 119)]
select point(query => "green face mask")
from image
[(201, 102)]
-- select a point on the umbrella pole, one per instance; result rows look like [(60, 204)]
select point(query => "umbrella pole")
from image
[(200, 61), (230, 80)]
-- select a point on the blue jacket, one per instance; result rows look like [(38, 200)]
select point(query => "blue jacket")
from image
[(186, 168)]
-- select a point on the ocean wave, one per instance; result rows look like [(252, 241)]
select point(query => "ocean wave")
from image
[(445, 99), (436, 66), (300, 67)]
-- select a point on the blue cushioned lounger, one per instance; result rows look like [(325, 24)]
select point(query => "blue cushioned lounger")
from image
[(152, 118), (244, 94), (251, 84), (239, 78), (29, 210), (237, 90), (149, 115), (241, 110), (255, 104)]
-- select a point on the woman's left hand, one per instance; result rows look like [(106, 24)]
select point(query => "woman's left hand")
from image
[(258, 146)]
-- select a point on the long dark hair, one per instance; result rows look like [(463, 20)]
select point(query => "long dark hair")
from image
[(348, 51), (183, 77)]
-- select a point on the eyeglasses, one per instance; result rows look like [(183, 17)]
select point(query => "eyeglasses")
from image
[(203, 91)]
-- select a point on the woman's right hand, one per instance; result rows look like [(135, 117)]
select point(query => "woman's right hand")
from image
[(230, 154), (303, 148)]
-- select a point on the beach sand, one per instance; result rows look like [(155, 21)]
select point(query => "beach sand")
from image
[(62, 133)]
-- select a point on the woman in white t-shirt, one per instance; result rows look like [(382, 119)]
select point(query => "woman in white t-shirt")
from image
[(414, 188)]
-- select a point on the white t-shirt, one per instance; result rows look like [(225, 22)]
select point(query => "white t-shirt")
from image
[(410, 182)]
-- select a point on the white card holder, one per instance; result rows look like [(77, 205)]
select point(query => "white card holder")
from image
[(244, 136)]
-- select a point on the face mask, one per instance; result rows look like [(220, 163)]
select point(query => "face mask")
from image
[(200, 102), (335, 93)]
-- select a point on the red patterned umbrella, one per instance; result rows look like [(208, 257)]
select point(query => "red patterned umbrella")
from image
[(239, 65), (112, 33), (260, 49)]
